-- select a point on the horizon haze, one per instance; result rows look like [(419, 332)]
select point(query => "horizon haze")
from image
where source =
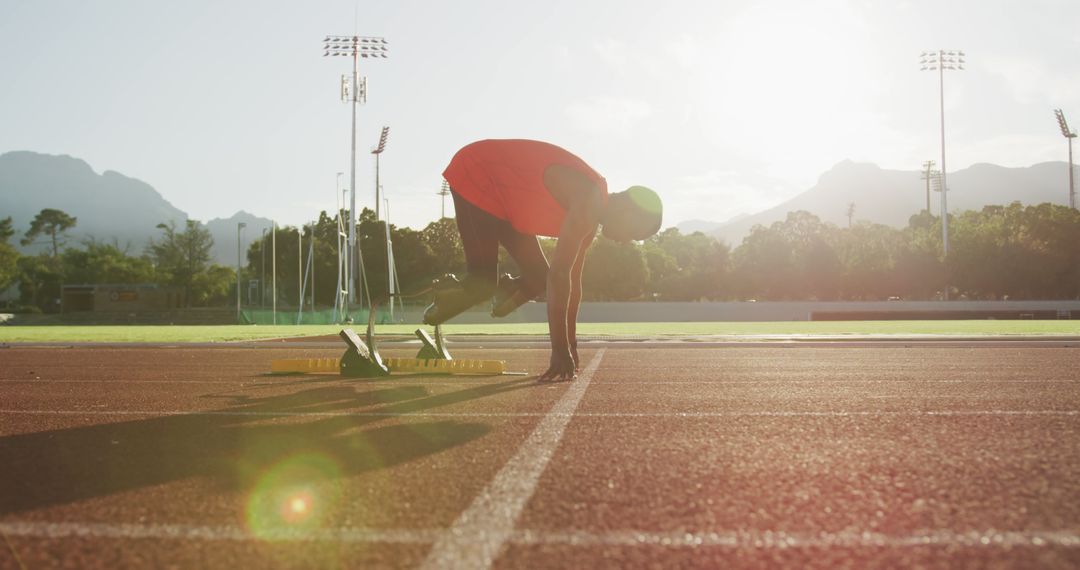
[(726, 109)]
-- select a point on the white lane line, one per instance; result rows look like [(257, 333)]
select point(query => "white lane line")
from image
[(758, 383), (553, 414), (759, 539), (480, 533), (747, 539)]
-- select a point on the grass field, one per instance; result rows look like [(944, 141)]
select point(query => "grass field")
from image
[(225, 333)]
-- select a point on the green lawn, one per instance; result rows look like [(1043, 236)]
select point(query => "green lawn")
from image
[(223, 333)]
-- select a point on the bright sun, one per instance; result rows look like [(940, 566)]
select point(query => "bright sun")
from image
[(791, 77)]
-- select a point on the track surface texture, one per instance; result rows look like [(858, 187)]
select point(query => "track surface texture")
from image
[(659, 457)]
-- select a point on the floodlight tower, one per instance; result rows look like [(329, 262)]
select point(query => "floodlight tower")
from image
[(940, 60), (377, 151), (444, 192), (354, 91), (1069, 135), (386, 224), (928, 174)]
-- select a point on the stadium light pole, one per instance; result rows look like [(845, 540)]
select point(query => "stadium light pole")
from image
[(444, 191), (239, 227), (1070, 135), (928, 174), (377, 151), (940, 61), (354, 92)]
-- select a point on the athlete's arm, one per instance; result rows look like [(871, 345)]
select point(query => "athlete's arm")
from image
[(575, 298), (582, 218)]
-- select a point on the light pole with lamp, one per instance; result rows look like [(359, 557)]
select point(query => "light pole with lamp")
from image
[(940, 61), (1069, 135), (378, 153), (354, 92), (386, 223), (928, 174), (444, 191)]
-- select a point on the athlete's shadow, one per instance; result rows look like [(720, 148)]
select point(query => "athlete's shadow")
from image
[(236, 446)]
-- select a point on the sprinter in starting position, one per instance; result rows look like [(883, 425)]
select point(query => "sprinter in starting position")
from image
[(509, 192)]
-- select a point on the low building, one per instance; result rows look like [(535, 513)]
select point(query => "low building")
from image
[(118, 298)]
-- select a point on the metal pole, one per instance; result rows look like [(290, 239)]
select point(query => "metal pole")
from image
[(239, 227), (938, 61), (444, 192), (351, 249), (262, 268), (345, 260), (300, 267), (273, 269), (311, 262), (1072, 191), (377, 155), (357, 47), (389, 261), (944, 180), (927, 175), (337, 245)]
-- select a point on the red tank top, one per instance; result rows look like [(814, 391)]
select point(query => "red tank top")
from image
[(505, 178)]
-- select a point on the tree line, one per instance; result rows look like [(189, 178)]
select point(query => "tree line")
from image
[(999, 252)]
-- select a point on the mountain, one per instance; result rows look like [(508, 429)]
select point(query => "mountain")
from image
[(109, 207), (224, 233), (891, 197), (705, 226)]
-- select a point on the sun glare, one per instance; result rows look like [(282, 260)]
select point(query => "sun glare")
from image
[(792, 75)]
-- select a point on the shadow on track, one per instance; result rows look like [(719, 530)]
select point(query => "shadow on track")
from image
[(67, 465)]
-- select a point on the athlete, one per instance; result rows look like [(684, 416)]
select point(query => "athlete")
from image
[(509, 192)]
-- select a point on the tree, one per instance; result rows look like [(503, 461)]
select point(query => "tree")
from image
[(444, 242), (180, 257), (102, 263), (52, 223), (39, 282), (9, 258), (868, 255), (614, 271), (687, 267)]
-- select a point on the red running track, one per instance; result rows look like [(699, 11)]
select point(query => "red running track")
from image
[(819, 457)]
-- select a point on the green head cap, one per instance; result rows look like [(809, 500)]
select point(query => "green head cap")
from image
[(648, 211)]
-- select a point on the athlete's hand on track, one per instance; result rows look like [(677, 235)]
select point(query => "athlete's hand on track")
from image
[(561, 369)]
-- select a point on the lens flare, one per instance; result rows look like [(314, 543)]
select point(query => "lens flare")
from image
[(296, 494)]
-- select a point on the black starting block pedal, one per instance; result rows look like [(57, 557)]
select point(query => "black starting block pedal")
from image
[(359, 361), (432, 349)]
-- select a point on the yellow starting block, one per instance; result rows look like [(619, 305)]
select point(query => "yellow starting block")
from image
[(403, 365), (306, 365), (440, 366)]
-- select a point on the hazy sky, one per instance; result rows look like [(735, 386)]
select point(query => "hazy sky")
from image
[(723, 107)]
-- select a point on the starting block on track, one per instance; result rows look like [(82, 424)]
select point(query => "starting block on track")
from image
[(402, 365), (362, 359)]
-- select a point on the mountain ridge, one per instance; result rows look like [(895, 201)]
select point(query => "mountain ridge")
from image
[(891, 197)]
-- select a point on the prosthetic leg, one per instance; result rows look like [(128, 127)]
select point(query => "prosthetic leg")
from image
[(452, 297), (509, 295)]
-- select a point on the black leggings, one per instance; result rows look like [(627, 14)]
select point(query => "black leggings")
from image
[(481, 234)]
